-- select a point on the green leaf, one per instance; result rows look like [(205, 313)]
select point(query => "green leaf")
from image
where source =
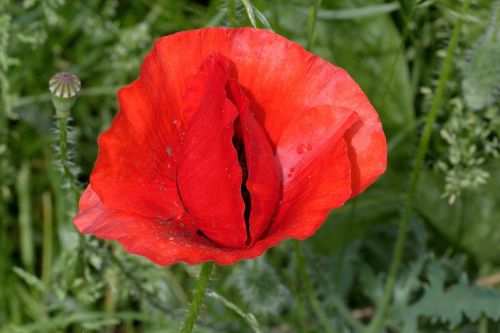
[(249, 317), (260, 286), (249, 9), (472, 222), (359, 12), (452, 304), (253, 12), (30, 279)]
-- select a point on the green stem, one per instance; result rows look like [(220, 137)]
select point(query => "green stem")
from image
[(176, 288), (25, 217), (47, 238), (378, 320), (194, 309), (311, 23), (483, 325), (298, 306), (232, 15), (68, 175), (309, 290), (5, 256), (110, 299), (346, 314)]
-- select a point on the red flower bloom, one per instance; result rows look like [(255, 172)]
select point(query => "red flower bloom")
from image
[(230, 141)]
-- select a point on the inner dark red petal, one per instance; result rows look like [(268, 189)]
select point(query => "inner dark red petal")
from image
[(227, 172)]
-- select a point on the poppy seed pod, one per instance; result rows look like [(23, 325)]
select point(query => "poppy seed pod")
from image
[(64, 86), (229, 142)]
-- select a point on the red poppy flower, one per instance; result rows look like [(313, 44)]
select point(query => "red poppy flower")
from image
[(230, 141)]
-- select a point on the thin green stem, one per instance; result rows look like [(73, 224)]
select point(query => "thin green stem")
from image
[(346, 314), (5, 255), (68, 175), (311, 23), (176, 288), (48, 237), (231, 12), (110, 299), (378, 320), (311, 295), (298, 306), (483, 325), (194, 309), (25, 218)]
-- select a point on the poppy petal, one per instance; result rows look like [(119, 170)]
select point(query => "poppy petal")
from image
[(366, 143), (167, 242), (135, 168), (282, 80), (209, 175), (320, 180), (263, 181), (163, 242), (317, 195)]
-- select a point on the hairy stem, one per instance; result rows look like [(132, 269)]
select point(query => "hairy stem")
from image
[(194, 309), (378, 320), (68, 175)]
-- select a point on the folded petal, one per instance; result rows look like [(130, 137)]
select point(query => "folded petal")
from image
[(264, 178), (209, 175), (324, 185), (366, 144), (319, 180)]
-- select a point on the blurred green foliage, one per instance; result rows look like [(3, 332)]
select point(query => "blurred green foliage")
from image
[(54, 280)]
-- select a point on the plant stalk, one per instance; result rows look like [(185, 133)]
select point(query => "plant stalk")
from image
[(311, 23), (194, 309), (378, 319), (69, 177), (311, 295), (48, 236), (25, 217), (232, 15)]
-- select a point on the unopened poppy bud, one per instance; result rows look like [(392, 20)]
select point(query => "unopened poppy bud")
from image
[(64, 87)]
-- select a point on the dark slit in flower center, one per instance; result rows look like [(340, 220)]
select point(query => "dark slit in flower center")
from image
[(239, 145)]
